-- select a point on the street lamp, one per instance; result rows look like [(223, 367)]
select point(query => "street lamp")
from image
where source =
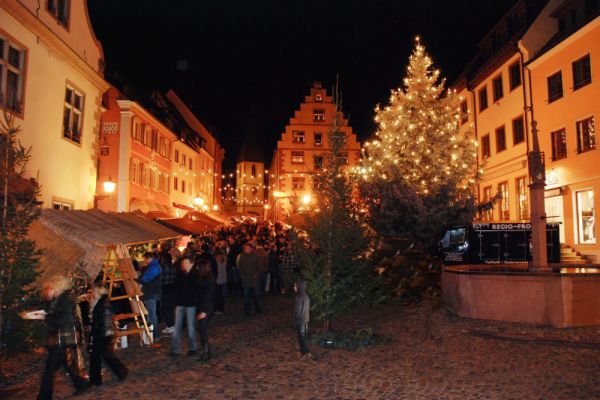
[(306, 199), (109, 187), (199, 201)]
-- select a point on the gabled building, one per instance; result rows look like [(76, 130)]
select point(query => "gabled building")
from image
[(51, 79), (299, 153), (250, 178)]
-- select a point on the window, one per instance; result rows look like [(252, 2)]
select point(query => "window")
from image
[(162, 146), (253, 171), (504, 208), (134, 168), (591, 7), (183, 159), (318, 160), (518, 128), (318, 115), (318, 97), (318, 139), (147, 135), (500, 139), (483, 99), (555, 87), (182, 186), (154, 140), (464, 112), (487, 196), (586, 135), (12, 71), (163, 183), (60, 10), (523, 198), (73, 115), (297, 157), (152, 179), (498, 90), (559, 144), (298, 137), (61, 205), (176, 156), (514, 75), (136, 130), (586, 217), (298, 183), (175, 183), (486, 150), (343, 157), (582, 72), (191, 164)]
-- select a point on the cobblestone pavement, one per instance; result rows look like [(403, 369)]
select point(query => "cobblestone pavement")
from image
[(433, 355)]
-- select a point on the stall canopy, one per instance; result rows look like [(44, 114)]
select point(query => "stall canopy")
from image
[(70, 237), (193, 223)]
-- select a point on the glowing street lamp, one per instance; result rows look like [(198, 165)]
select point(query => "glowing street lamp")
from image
[(199, 201), (109, 186), (306, 199)]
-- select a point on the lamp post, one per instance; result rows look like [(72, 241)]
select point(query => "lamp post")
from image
[(109, 187), (537, 172)]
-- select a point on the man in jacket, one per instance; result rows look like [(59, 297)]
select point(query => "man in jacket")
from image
[(302, 316), (249, 265), (186, 290), (264, 264), (205, 306), (103, 339), (61, 336), (151, 281), (169, 270)]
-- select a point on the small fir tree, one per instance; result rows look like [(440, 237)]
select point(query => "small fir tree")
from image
[(335, 256), (419, 171), (18, 254)]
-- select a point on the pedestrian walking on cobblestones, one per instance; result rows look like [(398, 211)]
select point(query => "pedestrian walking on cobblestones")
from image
[(221, 281), (61, 337), (151, 281), (103, 339), (205, 306), (186, 289), (302, 316), (250, 267)]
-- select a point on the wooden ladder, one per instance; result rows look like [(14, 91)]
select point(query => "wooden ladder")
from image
[(118, 269)]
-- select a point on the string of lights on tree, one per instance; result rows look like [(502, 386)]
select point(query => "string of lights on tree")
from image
[(418, 133)]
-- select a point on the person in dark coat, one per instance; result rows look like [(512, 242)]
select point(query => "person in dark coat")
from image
[(302, 316), (205, 305), (103, 339), (274, 270), (61, 336), (167, 303), (186, 289), (250, 267), (151, 281)]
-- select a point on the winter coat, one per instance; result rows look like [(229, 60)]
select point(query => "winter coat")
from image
[(264, 259), (102, 322), (250, 267), (206, 302), (273, 263), (60, 322), (186, 288), (301, 305), (152, 281), (222, 271)]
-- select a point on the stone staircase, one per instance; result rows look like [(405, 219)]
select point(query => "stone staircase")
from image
[(570, 256)]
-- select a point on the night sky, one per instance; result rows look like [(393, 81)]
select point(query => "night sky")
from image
[(242, 63)]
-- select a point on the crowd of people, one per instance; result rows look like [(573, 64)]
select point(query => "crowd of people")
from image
[(182, 288)]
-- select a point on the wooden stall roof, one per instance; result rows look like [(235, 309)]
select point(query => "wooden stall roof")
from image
[(193, 223), (68, 237)]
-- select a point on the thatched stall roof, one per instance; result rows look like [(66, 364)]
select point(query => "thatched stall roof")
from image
[(70, 237)]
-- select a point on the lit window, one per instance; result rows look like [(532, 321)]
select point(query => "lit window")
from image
[(487, 196), (176, 156), (12, 64), (298, 136), (523, 199), (559, 144), (298, 183), (297, 157), (318, 97), (60, 10), (586, 217), (175, 183), (318, 115), (343, 157), (464, 112), (486, 150), (586, 135), (318, 160), (318, 139), (73, 115), (61, 205), (504, 206)]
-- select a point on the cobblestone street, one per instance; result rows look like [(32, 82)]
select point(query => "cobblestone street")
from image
[(433, 355)]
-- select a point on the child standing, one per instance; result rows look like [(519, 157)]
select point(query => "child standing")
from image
[(302, 316)]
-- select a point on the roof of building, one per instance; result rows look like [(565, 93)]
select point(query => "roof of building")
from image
[(250, 150), (70, 237)]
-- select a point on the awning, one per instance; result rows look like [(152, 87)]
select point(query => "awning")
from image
[(194, 223)]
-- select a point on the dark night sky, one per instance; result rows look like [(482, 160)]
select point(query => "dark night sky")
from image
[(236, 61)]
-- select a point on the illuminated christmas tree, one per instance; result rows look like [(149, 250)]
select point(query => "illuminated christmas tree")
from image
[(419, 171)]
